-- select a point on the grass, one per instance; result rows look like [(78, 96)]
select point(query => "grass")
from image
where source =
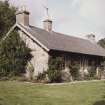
[(18, 93)]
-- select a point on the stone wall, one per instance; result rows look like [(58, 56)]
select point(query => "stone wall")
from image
[(40, 56)]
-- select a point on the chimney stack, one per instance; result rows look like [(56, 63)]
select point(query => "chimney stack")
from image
[(47, 24), (22, 17)]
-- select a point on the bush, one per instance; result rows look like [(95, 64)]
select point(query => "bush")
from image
[(55, 67), (42, 77), (54, 75), (92, 72), (74, 71)]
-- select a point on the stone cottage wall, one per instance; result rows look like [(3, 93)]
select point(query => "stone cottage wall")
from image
[(40, 56)]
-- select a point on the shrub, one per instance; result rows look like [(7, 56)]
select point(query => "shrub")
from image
[(55, 67), (74, 71), (42, 77), (92, 72)]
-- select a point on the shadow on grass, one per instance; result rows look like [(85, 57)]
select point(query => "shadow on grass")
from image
[(102, 102), (1, 99)]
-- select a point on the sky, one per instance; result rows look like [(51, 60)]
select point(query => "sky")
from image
[(72, 17)]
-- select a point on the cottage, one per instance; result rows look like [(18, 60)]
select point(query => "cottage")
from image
[(46, 43)]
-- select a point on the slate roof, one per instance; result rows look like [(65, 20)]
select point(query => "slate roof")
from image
[(60, 42)]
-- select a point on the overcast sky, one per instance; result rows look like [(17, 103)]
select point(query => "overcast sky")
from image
[(72, 17)]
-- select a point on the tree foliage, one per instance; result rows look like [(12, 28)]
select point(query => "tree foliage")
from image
[(7, 17), (102, 43), (14, 55)]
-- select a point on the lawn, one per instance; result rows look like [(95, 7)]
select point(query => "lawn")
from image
[(18, 93)]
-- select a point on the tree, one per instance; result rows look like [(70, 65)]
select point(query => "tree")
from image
[(7, 17), (102, 43), (14, 55)]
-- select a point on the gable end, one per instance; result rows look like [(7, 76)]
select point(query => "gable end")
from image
[(28, 34)]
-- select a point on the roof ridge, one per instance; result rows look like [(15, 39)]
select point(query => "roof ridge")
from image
[(70, 36), (60, 33)]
